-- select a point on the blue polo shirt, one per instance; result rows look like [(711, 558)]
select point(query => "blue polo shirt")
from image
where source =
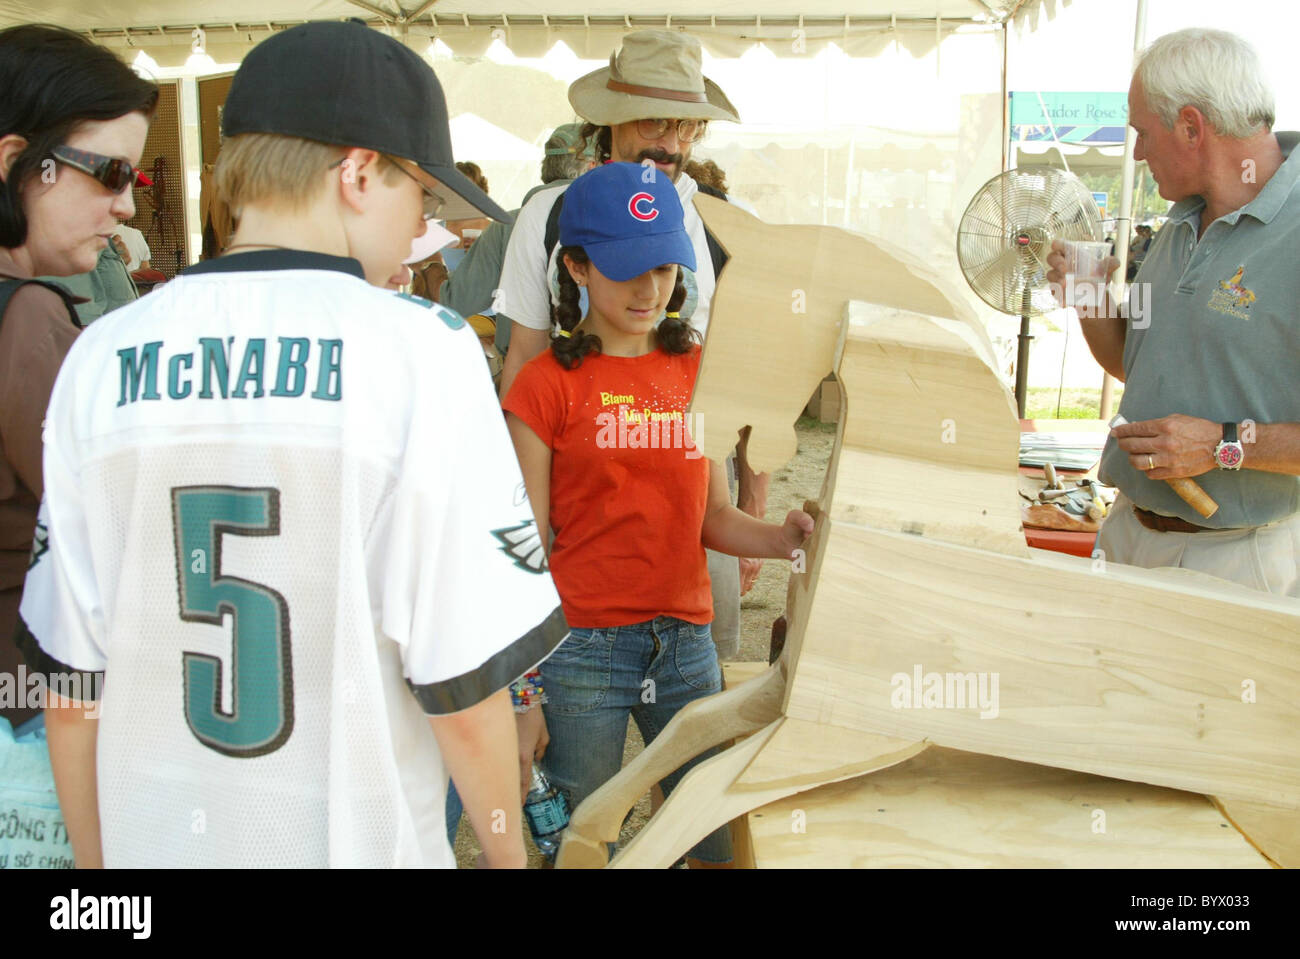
[(1221, 341)]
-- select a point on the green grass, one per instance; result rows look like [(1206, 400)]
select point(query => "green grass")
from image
[(1077, 404)]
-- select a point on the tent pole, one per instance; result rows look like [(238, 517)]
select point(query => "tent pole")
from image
[(1008, 159), (1124, 226)]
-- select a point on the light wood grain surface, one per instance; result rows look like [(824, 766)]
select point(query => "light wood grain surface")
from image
[(1130, 673), (951, 809)]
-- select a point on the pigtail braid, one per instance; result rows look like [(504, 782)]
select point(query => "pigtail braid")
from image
[(567, 314), (673, 334)]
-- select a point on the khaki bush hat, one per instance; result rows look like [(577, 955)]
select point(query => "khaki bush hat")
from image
[(657, 73)]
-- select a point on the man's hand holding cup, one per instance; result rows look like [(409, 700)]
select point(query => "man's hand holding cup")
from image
[(1078, 271)]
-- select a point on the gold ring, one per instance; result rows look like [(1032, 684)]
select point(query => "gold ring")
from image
[(1151, 464)]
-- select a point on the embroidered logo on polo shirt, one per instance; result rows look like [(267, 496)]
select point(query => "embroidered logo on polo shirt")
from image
[(1232, 297)]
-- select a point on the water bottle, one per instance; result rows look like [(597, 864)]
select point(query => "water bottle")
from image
[(547, 814)]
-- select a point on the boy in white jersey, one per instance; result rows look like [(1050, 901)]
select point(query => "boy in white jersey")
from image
[(280, 500)]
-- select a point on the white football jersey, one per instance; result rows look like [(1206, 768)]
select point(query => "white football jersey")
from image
[(281, 515)]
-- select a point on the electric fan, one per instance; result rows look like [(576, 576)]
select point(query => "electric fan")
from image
[(1005, 236)]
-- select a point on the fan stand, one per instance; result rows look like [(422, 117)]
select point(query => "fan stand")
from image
[(1022, 350), (1022, 357)]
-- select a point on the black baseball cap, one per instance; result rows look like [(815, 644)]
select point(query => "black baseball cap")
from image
[(341, 82)]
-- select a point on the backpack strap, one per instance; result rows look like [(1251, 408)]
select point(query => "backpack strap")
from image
[(551, 238), (716, 253), (9, 287)]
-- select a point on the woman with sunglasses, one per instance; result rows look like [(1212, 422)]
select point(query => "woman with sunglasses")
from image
[(73, 120)]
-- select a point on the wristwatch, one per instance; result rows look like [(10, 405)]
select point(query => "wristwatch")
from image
[(1229, 454)]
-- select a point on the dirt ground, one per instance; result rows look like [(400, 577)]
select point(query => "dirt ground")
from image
[(799, 480)]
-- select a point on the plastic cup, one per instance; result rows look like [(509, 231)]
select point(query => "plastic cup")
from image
[(1085, 272)]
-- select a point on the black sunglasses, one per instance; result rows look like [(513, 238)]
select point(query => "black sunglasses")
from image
[(117, 175)]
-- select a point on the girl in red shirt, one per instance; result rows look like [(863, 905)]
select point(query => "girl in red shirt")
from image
[(601, 428)]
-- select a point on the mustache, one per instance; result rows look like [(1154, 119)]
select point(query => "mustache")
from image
[(661, 156)]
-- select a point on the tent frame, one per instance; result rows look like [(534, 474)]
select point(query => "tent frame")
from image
[(426, 20)]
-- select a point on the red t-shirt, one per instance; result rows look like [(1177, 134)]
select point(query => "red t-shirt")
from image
[(628, 485)]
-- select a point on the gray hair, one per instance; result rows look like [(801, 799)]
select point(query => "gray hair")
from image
[(1216, 72), (562, 166), (566, 167)]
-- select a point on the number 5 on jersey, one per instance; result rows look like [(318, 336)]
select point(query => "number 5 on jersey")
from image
[(261, 668)]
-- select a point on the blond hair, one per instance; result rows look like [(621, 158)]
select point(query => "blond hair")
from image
[(282, 172)]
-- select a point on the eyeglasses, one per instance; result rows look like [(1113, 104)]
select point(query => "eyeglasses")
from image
[(116, 175), (433, 203), (688, 131)]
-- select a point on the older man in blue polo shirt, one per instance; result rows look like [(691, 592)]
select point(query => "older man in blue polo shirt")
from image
[(1208, 344)]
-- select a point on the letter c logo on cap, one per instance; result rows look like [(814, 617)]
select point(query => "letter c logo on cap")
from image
[(638, 200)]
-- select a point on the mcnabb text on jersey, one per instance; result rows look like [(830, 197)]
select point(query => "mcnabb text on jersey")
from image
[(228, 368)]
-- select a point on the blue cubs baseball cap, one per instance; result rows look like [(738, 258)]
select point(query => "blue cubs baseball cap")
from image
[(628, 219)]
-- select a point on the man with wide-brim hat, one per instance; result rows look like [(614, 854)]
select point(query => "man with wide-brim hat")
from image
[(653, 103), (656, 74)]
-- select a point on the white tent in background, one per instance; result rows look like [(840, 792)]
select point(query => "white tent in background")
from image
[(503, 157)]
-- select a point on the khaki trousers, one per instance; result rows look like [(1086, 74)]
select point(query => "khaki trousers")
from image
[(1261, 557)]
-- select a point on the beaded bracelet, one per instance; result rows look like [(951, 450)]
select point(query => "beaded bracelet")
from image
[(528, 692)]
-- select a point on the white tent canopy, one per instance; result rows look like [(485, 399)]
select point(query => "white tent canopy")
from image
[(164, 28)]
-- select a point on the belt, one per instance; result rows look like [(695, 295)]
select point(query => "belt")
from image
[(1168, 524)]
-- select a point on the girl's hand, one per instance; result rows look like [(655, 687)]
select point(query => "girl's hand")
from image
[(797, 527), (533, 739)]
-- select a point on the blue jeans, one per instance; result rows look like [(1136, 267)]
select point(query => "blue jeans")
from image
[(597, 677)]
